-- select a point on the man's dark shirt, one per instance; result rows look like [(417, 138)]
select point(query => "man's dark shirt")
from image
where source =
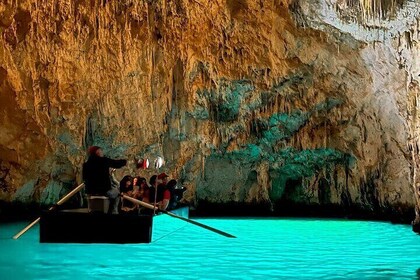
[(152, 194), (96, 173)]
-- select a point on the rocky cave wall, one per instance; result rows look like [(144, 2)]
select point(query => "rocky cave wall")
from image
[(260, 102)]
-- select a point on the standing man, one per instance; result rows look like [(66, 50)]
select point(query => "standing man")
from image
[(96, 176)]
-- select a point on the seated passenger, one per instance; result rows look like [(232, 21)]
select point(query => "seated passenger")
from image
[(143, 190), (171, 186), (162, 179), (141, 193), (177, 193), (126, 188), (162, 196), (136, 187), (152, 188), (135, 184)]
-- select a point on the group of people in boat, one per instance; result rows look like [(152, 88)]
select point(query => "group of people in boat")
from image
[(99, 181), (166, 197)]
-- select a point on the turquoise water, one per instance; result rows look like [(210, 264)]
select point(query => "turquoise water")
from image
[(264, 249)]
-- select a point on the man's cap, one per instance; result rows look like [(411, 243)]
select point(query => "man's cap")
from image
[(162, 175), (92, 150)]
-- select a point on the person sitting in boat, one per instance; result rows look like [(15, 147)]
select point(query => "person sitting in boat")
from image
[(163, 179), (142, 190), (96, 176), (114, 182), (141, 193), (176, 193), (126, 188), (163, 193), (135, 184), (153, 184), (162, 196), (171, 185), (136, 187)]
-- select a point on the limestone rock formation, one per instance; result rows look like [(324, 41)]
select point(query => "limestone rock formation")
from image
[(259, 102)]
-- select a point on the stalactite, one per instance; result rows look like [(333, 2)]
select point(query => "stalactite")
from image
[(100, 72), (376, 8)]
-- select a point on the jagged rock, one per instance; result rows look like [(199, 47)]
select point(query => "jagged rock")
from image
[(248, 101)]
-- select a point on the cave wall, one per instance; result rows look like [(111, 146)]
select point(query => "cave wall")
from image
[(248, 101)]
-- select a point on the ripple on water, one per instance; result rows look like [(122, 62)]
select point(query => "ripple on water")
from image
[(264, 249)]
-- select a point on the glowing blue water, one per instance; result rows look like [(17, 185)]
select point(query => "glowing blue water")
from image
[(264, 249)]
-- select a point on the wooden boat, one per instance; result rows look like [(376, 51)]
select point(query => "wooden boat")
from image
[(79, 226)]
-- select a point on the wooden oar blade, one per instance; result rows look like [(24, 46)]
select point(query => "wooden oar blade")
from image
[(200, 224), (147, 205), (26, 229), (61, 201)]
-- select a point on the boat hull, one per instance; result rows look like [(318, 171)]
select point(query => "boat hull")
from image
[(78, 226)]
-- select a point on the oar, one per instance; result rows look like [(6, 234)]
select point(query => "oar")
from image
[(61, 201), (150, 206)]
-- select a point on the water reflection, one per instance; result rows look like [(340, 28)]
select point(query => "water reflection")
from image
[(264, 249)]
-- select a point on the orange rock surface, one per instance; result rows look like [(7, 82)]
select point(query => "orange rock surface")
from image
[(197, 81)]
